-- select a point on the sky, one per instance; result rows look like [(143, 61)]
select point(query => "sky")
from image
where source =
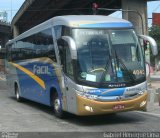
[(12, 6)]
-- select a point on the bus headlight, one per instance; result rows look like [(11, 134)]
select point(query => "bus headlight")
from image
[(88, 108), (85, 95), (141, 92)]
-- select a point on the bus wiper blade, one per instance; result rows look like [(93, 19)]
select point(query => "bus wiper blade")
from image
[(107, 63), (124, 66)]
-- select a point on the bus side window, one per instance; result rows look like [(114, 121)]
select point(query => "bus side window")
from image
[(44, 45), (58, 31), (9, 52)]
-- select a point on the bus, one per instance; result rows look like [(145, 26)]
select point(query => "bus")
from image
[(81, 64)]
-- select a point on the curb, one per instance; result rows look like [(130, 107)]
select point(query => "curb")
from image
[(154, 95)]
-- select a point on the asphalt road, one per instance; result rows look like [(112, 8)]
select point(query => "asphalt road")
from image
[(33, 117), (2, 85)]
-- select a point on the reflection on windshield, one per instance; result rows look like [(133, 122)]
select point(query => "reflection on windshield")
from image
[(108, 55)]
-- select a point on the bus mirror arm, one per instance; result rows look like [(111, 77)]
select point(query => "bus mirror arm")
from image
[(68, 41), (152, 43), (60, 43)]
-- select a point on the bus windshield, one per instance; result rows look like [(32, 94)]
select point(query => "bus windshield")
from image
[(108, 56)]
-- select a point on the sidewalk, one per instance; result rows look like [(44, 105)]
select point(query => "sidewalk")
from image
[(156, 75), (153, 108), (153, 101)]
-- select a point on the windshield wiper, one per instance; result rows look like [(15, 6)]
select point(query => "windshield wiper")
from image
[(124, 66), (91, 56), (107, 63)]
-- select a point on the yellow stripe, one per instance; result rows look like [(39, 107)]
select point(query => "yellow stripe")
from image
[(29, 73)]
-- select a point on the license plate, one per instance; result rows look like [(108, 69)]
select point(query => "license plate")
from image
[(118, 107)]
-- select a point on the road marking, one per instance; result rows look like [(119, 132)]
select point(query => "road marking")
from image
[(148, 113)]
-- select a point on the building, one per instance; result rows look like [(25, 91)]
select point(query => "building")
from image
[(3, 16), (156, 19)]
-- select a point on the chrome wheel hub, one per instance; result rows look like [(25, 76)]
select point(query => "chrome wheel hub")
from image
[(57, 105), (17, 94)]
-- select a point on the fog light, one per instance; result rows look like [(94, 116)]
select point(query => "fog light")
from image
[(143, 103), (88, 108)]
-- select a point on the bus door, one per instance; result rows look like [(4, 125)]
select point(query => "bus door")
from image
[(67, 71)]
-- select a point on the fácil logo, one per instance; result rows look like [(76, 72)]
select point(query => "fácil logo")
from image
[(40, 69)]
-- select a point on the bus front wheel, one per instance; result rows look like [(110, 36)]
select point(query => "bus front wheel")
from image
[(57, 106)]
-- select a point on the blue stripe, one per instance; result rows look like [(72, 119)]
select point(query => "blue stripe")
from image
[(107, 25), (107, 92)]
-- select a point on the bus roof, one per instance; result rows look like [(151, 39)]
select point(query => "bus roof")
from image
[(77, 21), (91, 21)]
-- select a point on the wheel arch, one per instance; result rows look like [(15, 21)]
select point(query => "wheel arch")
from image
[(53, 92)]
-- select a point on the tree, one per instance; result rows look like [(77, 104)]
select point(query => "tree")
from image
[(154, 32)]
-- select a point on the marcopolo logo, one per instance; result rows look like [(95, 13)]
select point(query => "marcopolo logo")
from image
[(40, 69)]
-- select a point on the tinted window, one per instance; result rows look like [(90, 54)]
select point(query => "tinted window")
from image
[(11, 54), (35, 46), (43, 45), (58, 31)]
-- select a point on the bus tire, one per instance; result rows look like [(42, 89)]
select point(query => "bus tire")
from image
[(57, 106), (18, 98)]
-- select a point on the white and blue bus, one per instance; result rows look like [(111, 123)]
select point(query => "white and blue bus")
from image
[(82, 64)]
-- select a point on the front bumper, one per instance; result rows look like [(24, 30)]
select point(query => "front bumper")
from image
[(90, 107)]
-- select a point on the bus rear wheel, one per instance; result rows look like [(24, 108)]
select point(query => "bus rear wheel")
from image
[(18, 98), (57, 107)]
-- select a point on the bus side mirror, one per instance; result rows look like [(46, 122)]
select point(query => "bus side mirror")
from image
[(60, 43), (145, 43), (152, 43), (66, 41)]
